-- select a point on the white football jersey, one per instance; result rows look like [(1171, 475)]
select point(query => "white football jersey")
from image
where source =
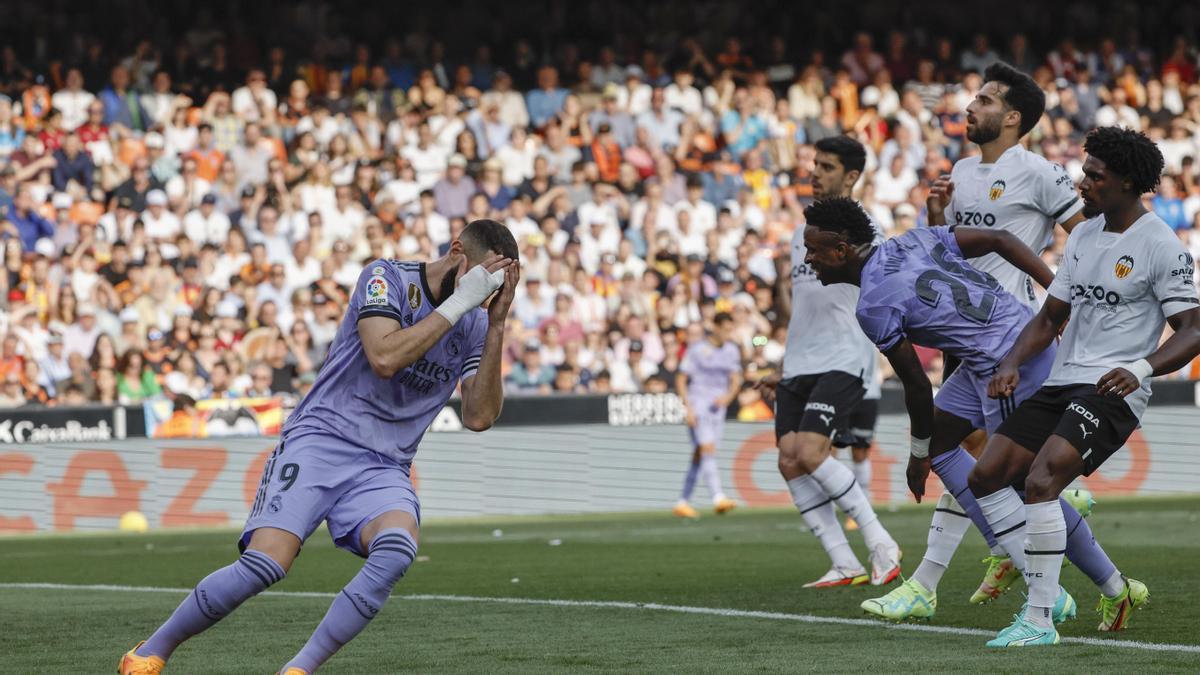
[(1021, 192), (1121, 287), (823, 327)]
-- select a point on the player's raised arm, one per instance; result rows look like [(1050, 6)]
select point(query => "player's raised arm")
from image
[(388, 346), (918, 400), (483, 392), (940, 195), (978, 241)]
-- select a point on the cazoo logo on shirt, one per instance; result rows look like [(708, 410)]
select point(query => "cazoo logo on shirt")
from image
[(975, 218), (1093, 293)]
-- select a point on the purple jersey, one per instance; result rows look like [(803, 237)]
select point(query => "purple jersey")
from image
[(349, 401), (918, 286), (709, 369)]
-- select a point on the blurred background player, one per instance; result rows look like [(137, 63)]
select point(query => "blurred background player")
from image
[(824, 365), (1124, 275), (917, 289), (412, 331), (709, 378), (1008, 187)]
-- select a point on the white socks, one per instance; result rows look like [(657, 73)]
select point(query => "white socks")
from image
[(1005, 512), (708, 470), (817, 511), (838, 483), (862, 473), (1045, 544), (946, 531), (1114, 585)]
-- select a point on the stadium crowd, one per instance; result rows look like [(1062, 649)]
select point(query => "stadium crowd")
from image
[(188, 215)]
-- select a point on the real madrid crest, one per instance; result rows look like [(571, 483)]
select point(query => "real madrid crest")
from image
[(414, 296), (997, 190), (1124, 266)]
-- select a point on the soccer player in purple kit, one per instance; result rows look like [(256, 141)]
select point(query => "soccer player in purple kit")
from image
[(918, 289), (707, 382), (411, 333)]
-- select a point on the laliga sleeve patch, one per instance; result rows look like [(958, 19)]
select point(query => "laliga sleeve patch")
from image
[(377, 291)]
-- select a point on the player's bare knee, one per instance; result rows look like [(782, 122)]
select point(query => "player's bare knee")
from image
[(790, 465), (859, 454), (1039, 485), (812, 455), (981, 482), (280, 545), (395, 519)]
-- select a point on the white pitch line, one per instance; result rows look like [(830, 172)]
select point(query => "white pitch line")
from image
[(651, 606)]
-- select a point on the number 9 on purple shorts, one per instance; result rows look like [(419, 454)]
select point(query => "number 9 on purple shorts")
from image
[(313, 478)]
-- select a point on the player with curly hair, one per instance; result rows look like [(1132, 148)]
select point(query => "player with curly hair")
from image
[(1124, 274)]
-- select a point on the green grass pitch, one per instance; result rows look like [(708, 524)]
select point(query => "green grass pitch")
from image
[(753, 561)]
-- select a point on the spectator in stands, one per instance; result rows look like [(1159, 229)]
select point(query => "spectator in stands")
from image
[(1168, 206), (135, 381), (12, 394), (547, 100), (261, 376), (630, 374), (529, 375), (615, 190), (185, 420), (121, 105)]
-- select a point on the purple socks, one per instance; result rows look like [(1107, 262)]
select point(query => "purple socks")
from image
[(215, 596), (1082, 550), (953, 468), (392, 551), (689, 483)]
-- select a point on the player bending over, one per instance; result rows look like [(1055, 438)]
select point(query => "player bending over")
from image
[(1124, 274), (1007, 187), (411, 332), (917, 289), (708, 380), (826, 359)]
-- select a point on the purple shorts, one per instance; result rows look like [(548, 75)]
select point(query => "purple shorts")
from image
[(964, 393), (710, 425), (313, 478)]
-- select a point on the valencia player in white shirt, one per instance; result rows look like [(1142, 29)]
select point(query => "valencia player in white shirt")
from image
[(1124, 275)]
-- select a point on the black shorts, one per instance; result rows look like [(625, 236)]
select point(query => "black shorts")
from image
[(1096, 425), (820, 403), (860, 431)]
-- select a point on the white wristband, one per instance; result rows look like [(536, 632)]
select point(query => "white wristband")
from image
[(454, 307), (474, 287), (1141, 369), (918, 447)]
